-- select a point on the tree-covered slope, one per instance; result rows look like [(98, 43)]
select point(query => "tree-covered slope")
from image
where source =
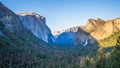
[(109, 41), (19, 51)]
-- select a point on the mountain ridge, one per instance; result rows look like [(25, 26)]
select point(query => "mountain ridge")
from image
[(99, 29)]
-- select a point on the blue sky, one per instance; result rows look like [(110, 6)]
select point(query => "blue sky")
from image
[(63, 14)]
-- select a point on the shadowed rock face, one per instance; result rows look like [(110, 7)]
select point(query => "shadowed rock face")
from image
[(66, 38), (37, 25), (11, 21), (81, 37), (84, 38)]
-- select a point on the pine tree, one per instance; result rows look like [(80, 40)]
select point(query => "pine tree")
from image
[(87, 62)]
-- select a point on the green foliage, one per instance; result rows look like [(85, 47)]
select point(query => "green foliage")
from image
[(114, 59), (101, 59), (87, 62), (109, 60), (110, 41), (21, 51), (28, 51)]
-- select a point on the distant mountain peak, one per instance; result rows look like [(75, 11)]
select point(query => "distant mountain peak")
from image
[(73, 29), (55, 33)]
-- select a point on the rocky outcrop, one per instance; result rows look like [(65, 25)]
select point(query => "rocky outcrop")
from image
[(110, 27), (92, 24), (37, 25)]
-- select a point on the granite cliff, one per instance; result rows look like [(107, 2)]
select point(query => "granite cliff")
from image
[(37, 25), (101, 29)]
